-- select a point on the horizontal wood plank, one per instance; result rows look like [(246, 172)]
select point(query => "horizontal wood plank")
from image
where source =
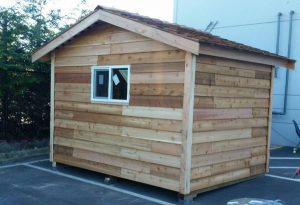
[(73, 87), (148, 168), (213, 136), (73, 78), (230, 81), (211, 125), (218, 91), (157, 67), (163, 136), (76, 61), (150, 57), (72, 97), (157, 101), (129, 153), (227, 145), (233, 63), (209, 159), (140, 122), (209, 114), (86, 50), (157, 89), (133, 111), (215, 169), (139, 47), (219, 179), (157, 78)]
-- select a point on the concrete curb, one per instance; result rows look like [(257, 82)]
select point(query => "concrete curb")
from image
[(22, 154)]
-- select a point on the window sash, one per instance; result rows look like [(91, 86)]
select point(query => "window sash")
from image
[(110, 81)]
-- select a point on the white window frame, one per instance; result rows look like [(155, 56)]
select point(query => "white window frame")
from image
[(109, 68)]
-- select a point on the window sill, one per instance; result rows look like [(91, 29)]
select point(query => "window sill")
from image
[(110, 102)]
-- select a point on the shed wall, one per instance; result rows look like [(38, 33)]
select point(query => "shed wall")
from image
[(140, 141), (231, 119)]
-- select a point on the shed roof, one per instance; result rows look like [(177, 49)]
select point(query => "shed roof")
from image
[(182, 37)]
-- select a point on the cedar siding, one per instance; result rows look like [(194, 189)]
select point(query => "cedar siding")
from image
[(231, 120), (199, 110), (140, 141)]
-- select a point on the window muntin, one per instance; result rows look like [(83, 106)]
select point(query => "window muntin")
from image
[(110, 83)]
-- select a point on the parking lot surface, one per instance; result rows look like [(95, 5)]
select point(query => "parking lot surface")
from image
[(36, 182)]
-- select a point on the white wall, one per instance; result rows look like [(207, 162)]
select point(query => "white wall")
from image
[(254, 22)]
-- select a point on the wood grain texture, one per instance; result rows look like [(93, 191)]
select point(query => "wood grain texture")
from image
[(145, 156), (215, 169), (133, 111), (187, 124), (214, 125), (150, 57), (157, 89), (163, 136), (213, 136), (270, 120), (138, 122), (231, 121), (230, 81), (157, 67), (133, 140), (214, 158), (227, 145), (213, 114), (52, 98), (220, 91), (157, 101), (210, 60), (157, 78), (219, 179), (73, 78), (236, 102), (77, 61)]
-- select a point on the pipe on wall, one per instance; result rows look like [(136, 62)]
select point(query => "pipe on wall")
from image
[(278, 39), (286, 87)]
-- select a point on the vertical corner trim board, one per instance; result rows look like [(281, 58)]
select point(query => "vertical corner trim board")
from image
[(52, 82), (270, 120), (187, 123)]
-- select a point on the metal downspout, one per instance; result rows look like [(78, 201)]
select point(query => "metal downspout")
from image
[(286, 89), (278, 39)]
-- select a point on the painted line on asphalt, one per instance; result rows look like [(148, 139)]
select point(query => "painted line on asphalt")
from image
[(283, 167), (285, 178), (99, 184), (11, 165), (23, 163), (283, 158)]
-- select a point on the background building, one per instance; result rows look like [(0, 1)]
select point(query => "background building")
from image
[(255, 23)]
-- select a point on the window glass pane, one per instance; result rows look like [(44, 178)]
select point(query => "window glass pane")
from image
[(119, 83), (101, 83)]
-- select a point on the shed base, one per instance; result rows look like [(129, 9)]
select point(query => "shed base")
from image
[(194, 194)]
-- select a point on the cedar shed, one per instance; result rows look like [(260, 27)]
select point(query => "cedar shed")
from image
[(159, 103)]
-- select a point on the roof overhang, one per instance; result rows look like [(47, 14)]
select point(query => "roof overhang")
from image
[(245, 56), (171, 39), (101, 15)]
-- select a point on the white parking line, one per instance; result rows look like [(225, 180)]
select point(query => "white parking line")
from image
[(99, 184), (285, 178), (283, 158), (283, 167), (20, 164)]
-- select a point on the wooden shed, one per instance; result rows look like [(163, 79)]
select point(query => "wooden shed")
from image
[(159, 103)]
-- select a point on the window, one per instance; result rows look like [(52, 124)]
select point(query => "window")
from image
[(110, 83)]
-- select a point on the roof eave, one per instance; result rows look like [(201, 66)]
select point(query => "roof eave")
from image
[(246, 56)]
